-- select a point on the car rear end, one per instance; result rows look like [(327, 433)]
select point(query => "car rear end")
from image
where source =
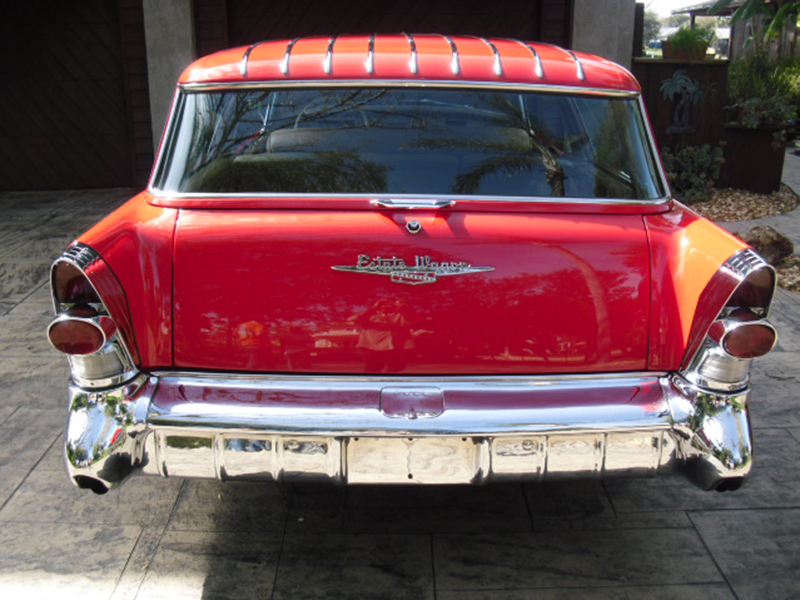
[(409, 259)]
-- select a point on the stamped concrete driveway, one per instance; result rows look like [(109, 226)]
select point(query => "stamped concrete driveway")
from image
[(167, 538)]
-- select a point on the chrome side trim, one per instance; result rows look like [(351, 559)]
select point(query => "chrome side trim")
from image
[(284, 66), (455, 66), (246, 58), (444, 84), (327, 64), (578, 65), (475, 382), (537, 60), (166, 138), (653, 148), (369, 64), (413, 62)]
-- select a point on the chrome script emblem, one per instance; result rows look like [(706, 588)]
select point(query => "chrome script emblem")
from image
[(424, 270)]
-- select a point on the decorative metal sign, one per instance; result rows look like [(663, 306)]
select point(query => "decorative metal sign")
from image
[(423, 270)]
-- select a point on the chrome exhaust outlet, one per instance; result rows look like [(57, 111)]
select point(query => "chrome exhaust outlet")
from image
[(105, 434), (89, 483)]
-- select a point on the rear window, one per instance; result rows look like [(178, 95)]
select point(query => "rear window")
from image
[(408, 141)]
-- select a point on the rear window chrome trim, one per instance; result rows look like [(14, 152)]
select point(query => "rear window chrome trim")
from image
[(373, 198)]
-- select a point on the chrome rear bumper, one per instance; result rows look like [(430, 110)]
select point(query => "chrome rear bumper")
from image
[(407, 430)]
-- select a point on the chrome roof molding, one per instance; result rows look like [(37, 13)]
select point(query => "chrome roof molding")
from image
[(369, 64), (413, 62), (498, 64), (284, 66), (579, 72), (578, 65), (327, 64), (538, 68), (455, 66), (246, 58)]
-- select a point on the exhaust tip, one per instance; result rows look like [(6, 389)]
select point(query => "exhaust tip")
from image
[(730, 485), (90, 483)]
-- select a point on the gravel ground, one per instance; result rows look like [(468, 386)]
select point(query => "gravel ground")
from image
[(738, 205), (789, 273)]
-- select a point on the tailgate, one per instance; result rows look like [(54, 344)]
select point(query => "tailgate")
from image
[(357, 292)]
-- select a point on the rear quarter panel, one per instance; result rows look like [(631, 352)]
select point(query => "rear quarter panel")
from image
[(686, 251), (136, 243)]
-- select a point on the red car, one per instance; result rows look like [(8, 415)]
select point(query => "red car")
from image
[(408, 259)]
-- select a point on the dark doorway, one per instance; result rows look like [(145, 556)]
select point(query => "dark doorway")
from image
[(225, 23), (74, 106)]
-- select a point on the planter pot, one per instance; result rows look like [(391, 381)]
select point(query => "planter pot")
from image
[(751, 162), (668, 51)]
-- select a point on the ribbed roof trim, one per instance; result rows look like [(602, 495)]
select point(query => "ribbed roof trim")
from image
[(412, 57)]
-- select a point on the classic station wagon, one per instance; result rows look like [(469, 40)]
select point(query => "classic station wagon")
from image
[(408, 259)]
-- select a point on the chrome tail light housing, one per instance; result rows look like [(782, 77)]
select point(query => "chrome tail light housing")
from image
[(92, 325), (722, 346)]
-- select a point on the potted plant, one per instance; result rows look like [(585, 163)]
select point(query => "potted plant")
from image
[(762, 92), (761, 107), (687, 44)]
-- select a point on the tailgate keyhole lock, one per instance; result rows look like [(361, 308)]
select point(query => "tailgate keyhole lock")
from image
[(414, 227)]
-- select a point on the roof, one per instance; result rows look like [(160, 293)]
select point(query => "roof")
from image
[(701, 8), (424, 57)]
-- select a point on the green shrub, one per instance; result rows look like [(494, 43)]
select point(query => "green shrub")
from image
[(696, 39), (692, 171), (763, 91)]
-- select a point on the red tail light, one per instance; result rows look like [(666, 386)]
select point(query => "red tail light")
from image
[(72, 286), (76, 335), (744, 335), (749, 340)]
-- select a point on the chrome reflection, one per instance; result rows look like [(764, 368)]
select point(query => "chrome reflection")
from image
[(104, 441), (713, 431), (681, 428)]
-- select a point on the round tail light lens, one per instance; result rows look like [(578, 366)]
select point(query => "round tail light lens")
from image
[(749, 340), (80, 336)]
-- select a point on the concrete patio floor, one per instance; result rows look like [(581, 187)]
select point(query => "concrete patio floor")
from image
[(169, 538)]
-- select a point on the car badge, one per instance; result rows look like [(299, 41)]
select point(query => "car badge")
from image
[(423, 270)]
